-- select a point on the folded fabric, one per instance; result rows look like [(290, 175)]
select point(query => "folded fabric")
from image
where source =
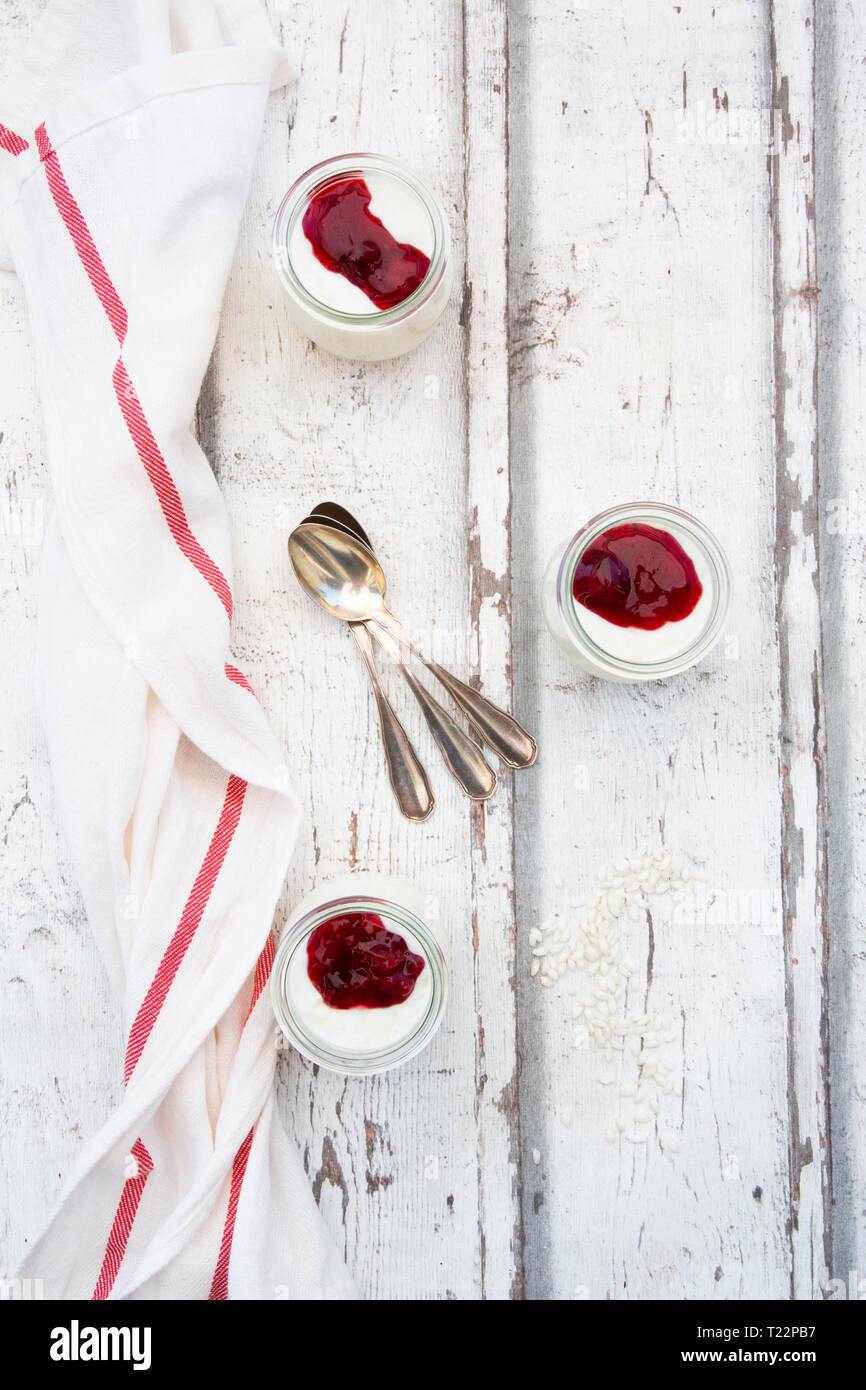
[(128, 137)]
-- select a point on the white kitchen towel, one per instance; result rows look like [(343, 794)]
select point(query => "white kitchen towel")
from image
[(127, 139)]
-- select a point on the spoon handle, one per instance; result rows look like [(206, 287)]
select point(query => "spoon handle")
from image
[(500, 731), (405, 773), (463, 758)]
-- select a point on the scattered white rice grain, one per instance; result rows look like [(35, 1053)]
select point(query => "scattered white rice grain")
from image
[(585, 944)]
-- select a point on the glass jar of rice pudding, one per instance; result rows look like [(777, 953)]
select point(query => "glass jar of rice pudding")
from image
[(359, 982), (362, 247), (642, 591)]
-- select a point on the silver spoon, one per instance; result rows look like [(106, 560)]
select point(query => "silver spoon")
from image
[(405, 773), (332, 514), (408, 779), (462, 757), (343, 574)]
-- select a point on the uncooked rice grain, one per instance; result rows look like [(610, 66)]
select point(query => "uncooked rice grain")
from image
[(589, 948)]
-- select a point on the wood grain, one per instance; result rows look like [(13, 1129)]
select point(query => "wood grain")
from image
[(841, 218), (488, 515), (642, 351), (801, 674)]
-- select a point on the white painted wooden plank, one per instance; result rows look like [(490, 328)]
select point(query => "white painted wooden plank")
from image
[(841, 210), (802, 735), (488, 516), (394, 1161), (641, 352)]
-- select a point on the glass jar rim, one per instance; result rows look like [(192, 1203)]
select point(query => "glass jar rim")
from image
[(333, 1058), (299, 194), (646, 511)]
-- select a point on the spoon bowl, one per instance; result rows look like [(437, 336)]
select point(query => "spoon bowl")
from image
[(338, 571), (332, 514)]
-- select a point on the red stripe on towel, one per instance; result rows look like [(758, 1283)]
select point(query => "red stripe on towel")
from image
[(124, 1218), (264, 965), (220, 1286), (238, 677), (164, 486), (127, 397), (218, 1289), (10, 142), (80, 233), (191, 916)]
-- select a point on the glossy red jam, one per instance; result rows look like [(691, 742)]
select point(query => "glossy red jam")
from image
[(349, 240), (354, 960), (635, 575)]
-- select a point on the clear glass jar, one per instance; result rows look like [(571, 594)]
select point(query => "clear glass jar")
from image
[(629, 654), (364, 334), (298, 1005)]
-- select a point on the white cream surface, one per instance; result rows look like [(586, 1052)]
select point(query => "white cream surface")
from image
[(358, 1030), (643, 646), (406, 218)]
